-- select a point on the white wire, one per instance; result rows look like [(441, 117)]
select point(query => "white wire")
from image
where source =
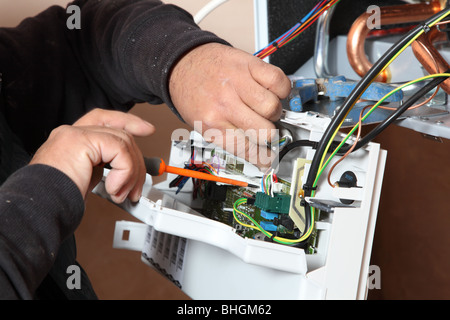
[(207, 9)]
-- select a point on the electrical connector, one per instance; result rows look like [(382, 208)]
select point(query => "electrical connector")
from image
[(279, 203), (268, 226), (268, 215)]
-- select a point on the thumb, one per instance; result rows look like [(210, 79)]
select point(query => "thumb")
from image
[(133, 124)]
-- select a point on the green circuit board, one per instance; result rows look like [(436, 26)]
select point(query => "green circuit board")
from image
[(222, 211)]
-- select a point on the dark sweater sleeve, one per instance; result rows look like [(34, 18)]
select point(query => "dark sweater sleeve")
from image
[(123, 54), (133, 44), (39, 207)]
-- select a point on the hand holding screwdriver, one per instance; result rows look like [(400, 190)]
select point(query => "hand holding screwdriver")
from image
[(157, 166)]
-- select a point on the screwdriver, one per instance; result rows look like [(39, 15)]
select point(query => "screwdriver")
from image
[(157, 166)]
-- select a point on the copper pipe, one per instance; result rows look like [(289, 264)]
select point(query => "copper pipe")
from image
[(428, 55), (388, 15)]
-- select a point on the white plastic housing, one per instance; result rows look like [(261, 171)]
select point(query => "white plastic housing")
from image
[(208, 260)]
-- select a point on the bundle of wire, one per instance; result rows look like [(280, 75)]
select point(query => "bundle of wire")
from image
[(322, 147), (255, 225), (437, 79), (318, 163), (202, 166), (297, 29), (267, 181), (337, 145)]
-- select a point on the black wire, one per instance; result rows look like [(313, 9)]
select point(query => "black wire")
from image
[(369, 137), (397, 113), (356, 93), (293, 145), (298, 144), (289, 147), (354, 96)]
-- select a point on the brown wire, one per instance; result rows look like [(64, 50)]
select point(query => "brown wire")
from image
[(358, 136), (431, 97)]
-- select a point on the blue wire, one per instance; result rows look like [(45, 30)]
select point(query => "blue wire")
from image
[(296, 26)]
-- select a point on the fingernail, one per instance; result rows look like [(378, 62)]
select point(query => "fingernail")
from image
[(119, 197), (136, 199), (149, 124)]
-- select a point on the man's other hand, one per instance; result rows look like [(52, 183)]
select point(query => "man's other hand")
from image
[(98, 138)]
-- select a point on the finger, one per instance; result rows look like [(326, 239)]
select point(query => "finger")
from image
[(258, 129), (270, 77), (134, 188), (136, 192), (90, 147), (261, 100), (119, 150), (118, 120), (237, 142), (127, 175)]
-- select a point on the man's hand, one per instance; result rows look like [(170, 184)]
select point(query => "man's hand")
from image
[(226, 88), (98, 138)]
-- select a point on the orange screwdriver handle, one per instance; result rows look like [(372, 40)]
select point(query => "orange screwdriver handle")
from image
[(156, 167), (204, 176)]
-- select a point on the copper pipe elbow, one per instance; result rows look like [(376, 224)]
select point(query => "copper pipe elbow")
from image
[(388, 15), (429, 56)]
